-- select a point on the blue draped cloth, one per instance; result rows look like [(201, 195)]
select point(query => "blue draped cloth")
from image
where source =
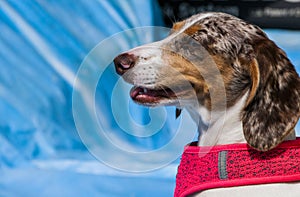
[(42, 46)]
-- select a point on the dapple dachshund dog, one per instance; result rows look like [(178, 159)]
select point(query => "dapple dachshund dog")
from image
[(261, 89)]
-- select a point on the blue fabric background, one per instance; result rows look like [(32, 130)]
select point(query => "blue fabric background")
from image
[(42, 44)]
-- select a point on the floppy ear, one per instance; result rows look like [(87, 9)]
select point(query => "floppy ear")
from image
[(273, 106)]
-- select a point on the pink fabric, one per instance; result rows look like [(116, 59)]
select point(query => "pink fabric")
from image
[(200, 167)]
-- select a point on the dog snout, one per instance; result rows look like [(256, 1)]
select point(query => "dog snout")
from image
[(124, 62)]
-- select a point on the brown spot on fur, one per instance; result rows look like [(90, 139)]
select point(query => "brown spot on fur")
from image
[(226, 72), (254, 75), (192, 30), (189, 31), (236, 81), (178, 25), (224, 68), (212, 74), (187, 71)]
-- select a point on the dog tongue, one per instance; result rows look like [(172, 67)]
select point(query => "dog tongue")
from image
[(135, 91), (144, 95)]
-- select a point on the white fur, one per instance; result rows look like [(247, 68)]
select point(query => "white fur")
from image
[(224, 127), (146, 70), (221, 127)]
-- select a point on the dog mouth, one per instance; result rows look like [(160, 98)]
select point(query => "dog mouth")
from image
[(148, 96)]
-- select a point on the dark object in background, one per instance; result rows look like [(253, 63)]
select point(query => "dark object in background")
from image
[(266, 14)]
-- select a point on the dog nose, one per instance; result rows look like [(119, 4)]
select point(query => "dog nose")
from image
[(124, 62)]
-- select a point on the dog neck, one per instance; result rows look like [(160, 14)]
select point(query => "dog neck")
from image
[(226, 127), (219, 127)]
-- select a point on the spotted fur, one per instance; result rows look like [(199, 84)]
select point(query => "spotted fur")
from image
[(257, 65)]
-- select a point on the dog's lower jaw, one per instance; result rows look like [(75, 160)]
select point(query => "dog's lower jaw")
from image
[(219, 127)]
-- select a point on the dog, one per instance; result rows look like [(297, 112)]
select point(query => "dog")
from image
[(237, 85)]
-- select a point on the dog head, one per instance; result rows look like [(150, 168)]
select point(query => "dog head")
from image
[(249, 63)]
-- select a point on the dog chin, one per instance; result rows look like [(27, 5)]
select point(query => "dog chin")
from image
[(160, 102)]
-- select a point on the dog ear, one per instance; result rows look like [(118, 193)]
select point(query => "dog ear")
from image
[(273, 105)]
